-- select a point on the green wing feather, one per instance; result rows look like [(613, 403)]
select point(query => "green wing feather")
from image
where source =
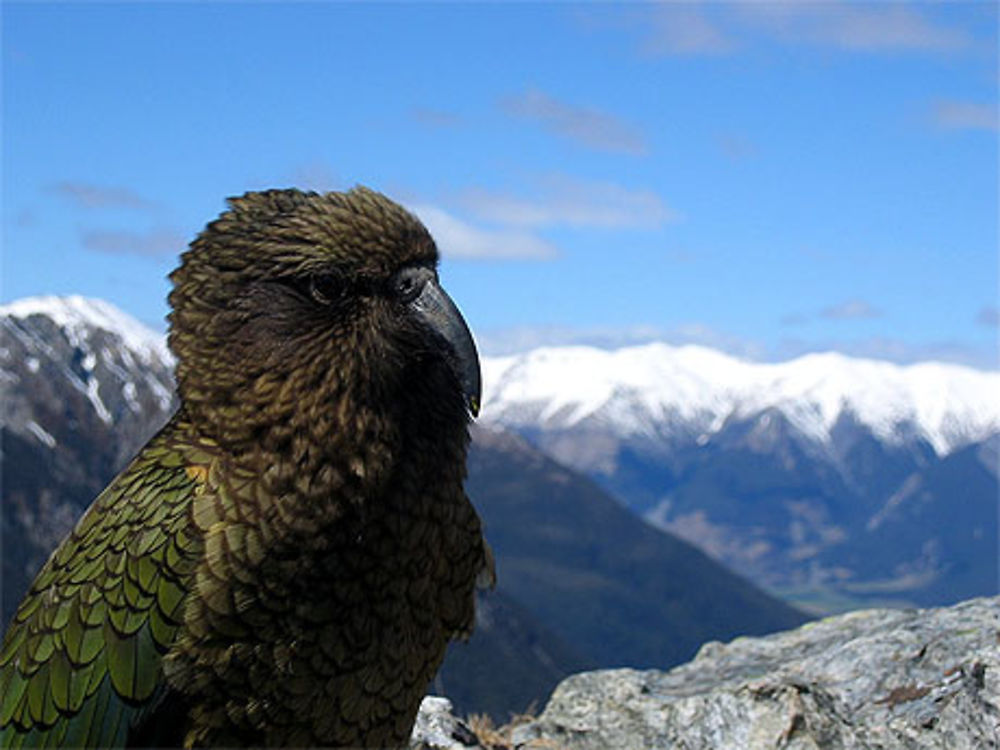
[(81, 659)]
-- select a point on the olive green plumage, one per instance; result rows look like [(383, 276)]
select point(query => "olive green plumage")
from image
[(285, 562)]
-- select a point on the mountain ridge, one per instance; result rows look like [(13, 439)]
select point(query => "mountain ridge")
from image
[(634, 389), (656, 389), (818, 478), (798, 485), (74, 312)]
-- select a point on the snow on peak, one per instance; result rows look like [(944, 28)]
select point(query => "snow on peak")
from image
[(76, 313), (645, 389)]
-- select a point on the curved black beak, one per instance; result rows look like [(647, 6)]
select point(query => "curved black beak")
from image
[(434, 308)]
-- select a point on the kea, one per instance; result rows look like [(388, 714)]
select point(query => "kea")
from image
[(284, 563)]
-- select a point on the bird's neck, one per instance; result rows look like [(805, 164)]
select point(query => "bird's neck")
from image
[(325, 463)]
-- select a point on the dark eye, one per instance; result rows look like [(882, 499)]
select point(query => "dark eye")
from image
[(405, 288), (408, 283), (324, 289)]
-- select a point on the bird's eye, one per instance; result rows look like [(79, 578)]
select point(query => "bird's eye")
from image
[(408, 283), (324, 289), (405, 287)]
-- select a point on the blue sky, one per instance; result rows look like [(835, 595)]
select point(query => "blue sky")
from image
[(764, 178)]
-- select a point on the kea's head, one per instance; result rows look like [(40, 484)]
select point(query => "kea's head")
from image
[(297, 311)]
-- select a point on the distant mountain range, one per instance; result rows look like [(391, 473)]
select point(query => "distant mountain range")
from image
[(583, 582), (833, 480), (83, 388)]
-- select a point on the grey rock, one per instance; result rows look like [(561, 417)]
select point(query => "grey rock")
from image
[(882, 679), (437, 729)]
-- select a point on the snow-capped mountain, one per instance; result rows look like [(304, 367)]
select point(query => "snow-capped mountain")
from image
[(109, 349), (77, 316), (848, 477), (657, 390), (83, 386)]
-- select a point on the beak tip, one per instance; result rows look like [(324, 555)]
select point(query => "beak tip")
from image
[(436, 311)]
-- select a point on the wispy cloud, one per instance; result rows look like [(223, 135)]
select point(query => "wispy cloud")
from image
[(958, 115), (989, 316), (505, 225), (520, 339), (156, 243), (593, 128), (685, 29), (524, 338), (855, 309), (736, 147), (315, 175), (892, 350), (86, 195), (794, 319), (459, 239), (152, 243), (857, 27), (558, 200), (25, 218), (436, 118), (712, 29)]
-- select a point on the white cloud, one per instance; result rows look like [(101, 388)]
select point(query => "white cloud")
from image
[(591, 127), (555, 201), (456, 238), (562, 201)]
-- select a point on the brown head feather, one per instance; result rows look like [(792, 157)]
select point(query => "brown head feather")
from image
[(254, 348)]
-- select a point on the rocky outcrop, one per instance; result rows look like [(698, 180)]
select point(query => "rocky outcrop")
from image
[(437, 728), (882, 679)]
